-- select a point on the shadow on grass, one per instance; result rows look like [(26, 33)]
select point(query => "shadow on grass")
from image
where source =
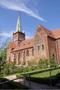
[(51, 81), (11, 85)]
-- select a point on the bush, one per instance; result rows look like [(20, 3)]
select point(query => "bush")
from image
[(31, 61), (18, 75), (52, 63), (10, 69), (29, 68), (43, 63)]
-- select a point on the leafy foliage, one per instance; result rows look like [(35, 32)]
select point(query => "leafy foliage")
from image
[(2, 64), (3, 53), (2, 61), (43, 63), (53, 63)]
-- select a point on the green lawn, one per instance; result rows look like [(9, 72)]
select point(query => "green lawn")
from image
[(46, 74)]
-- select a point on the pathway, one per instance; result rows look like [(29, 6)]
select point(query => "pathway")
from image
[(30, 84), (11, 77)]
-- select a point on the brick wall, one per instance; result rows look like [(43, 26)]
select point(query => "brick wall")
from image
[(52, 47), (44, 47), (41, 40), (58, 50)]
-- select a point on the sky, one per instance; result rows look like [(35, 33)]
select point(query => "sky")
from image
[(32, 12)]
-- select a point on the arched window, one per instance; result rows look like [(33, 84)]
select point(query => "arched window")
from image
[(24, 62), (38, 48), (12, 48), (42, 47), (32, 51), (19, 58), (14, 58), (27, 53), (53, 56)]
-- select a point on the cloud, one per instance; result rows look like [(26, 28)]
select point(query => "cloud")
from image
[(6, 34), (19, 5), (28, 37), (5, 38)]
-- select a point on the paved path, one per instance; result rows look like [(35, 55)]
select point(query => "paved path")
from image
[(11, 77), (30, 84)]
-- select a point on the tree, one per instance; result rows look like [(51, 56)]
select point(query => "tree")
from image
[(3, 53), (52, 62), (2, 61), (43, 63), (2, 64)]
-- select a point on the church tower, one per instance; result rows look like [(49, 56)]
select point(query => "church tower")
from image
[(18, 36)]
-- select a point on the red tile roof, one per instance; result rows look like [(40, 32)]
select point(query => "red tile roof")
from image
[(56, 33), (25, 44), (12, 45), (30, 42)]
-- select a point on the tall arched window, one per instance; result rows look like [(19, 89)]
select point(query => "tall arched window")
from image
[(27, 53), (32, 51), (42, 47), (53, 56), (19, 58), (14, 58), (24, 62), (38, 48)]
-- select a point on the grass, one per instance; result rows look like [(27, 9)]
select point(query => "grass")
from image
[(46, 74)]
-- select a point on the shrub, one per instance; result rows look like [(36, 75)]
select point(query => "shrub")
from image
[(52, 63), (18, 75), (31, 61), (43, 63), (10, 69)]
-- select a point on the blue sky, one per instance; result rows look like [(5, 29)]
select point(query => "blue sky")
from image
[(33, 13)]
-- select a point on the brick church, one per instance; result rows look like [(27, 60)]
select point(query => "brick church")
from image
[(44, 44)]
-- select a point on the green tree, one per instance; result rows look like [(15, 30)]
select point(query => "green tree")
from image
[(43, 63), (2, 61), (3, 53), (46, 63), (52, 62), (2, 64)]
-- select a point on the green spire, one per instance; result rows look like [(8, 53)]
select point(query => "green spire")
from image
[(18, 28)]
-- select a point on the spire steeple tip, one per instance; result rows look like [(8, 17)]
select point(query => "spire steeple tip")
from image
[(18, 27)]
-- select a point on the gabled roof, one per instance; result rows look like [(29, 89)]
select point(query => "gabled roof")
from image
[(48, 32), (51, 33)]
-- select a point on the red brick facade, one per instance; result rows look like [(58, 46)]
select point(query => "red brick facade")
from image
[(45, 44)]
